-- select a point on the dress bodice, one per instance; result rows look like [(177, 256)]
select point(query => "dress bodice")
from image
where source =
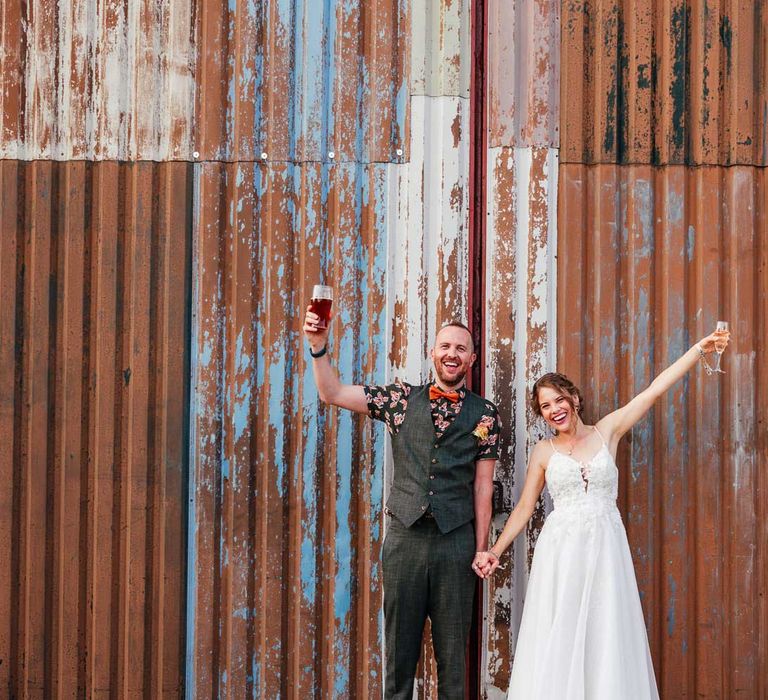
[(590, 486), (570, 480)]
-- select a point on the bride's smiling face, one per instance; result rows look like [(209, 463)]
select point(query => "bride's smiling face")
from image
[(557, 409)]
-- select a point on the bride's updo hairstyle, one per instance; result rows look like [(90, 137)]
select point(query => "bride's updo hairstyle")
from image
[(558, 382)]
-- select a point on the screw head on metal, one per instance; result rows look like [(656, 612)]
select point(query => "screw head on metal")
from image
[(263, 155), (331, 155), (399, 151), (196, 154)]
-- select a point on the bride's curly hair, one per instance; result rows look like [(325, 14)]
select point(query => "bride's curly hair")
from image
[(558, 382)]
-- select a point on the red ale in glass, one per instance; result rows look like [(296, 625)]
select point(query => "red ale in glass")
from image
[(322, 299)]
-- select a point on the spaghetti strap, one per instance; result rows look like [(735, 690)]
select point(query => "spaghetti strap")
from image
[(601, 435), (552, 445)]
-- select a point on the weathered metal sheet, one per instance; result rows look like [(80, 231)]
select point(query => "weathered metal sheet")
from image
[(94, 287), (293, 81), (648, 260), (309, 81), (287, 527), (520, 337), (81, 80), (672, 82), (523, 91), (428, 235)]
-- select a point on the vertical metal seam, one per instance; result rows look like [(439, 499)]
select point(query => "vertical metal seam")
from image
[(478, 207), (190, 666)]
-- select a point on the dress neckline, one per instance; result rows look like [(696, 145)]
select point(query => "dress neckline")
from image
[(578, 461)]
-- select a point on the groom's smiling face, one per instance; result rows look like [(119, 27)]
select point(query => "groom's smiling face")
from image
[(452, 355)]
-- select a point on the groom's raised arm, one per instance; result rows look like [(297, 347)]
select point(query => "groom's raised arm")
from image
[(329, 387)]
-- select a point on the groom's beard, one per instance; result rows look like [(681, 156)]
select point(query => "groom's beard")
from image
[(450, 382)]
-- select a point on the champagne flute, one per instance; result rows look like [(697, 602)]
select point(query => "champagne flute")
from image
[(722, 327)]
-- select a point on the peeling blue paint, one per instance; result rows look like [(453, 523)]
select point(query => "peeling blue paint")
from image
[(690, 243), (244, 389), (672, 604), (243, 613), (675, 207)]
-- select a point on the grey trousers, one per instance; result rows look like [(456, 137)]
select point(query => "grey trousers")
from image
[(427, 574)]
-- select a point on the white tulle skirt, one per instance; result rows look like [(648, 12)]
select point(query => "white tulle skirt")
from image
[(582, 635)]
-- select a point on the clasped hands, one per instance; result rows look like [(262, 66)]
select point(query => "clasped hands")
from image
[(485, 563)]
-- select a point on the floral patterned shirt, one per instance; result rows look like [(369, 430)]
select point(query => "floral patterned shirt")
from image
[(389, 404)]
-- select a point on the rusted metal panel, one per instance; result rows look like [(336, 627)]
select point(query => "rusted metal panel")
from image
[(520, 337), (287, 521), (299, 81), (648, 260), (523, 91), (672, 82), (99, 81), (296, 82), (93, 338)]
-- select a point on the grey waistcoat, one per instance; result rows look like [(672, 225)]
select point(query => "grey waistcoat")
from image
[(432, 473)]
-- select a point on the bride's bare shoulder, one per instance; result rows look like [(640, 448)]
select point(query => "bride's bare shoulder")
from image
[(541, 453)]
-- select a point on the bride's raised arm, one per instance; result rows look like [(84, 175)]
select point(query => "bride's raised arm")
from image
[(614, 425)]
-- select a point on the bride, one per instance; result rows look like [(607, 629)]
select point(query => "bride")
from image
[(582, 635)]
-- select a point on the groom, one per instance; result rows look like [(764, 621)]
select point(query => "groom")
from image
[(444, 449)]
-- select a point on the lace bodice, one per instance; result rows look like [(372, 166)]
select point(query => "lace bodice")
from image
[(591, 485)]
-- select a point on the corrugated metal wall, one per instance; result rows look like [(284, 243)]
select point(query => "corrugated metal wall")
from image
[(333, 142), (661, 232), (94, 270)]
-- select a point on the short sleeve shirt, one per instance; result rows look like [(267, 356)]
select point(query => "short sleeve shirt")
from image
[(389, 404)]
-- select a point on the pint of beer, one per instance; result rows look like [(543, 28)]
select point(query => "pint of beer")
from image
[(320, 304)]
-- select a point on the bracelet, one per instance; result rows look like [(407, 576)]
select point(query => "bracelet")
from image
[(703, 359), (319, 353), (488, 551)]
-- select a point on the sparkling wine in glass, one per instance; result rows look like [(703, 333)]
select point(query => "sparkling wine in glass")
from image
[(320, 304), (720, 344)]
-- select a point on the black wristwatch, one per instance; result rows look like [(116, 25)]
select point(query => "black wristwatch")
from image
[(320, 352)]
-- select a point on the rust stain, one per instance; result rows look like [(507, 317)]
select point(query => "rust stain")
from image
[(399, 346), (456, 130)]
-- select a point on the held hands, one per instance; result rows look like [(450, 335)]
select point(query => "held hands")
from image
[(485, 563), (317, 337)]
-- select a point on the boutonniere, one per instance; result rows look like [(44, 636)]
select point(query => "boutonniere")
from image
[(483, 428)]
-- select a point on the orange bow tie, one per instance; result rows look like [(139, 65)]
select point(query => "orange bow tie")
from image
[(437, 393)]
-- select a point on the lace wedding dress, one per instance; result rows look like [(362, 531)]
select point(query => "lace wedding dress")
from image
[(582, 636)]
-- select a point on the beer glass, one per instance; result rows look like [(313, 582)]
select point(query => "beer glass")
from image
[(320, 304)]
